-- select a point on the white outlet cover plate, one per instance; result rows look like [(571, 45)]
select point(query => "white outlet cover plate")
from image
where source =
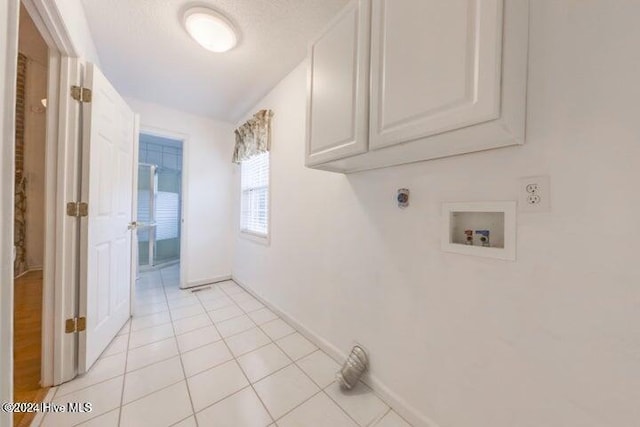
[(542, 191)]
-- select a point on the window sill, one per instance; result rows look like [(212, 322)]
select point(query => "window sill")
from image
[(256, 238)]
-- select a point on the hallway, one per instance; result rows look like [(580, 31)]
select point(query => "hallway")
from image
[(213, 357)]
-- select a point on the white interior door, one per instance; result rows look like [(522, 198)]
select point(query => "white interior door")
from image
[(108, 158)]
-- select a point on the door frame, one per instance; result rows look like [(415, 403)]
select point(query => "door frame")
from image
[(152, 180), (134, 216), (9, 11), (184, 139), (61, 185)]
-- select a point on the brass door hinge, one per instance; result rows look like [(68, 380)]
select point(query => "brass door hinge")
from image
[(81, 94), (77, 324), (77, 209)]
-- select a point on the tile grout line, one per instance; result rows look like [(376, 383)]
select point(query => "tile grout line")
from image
[(298, 405), (213, 324), (126, 363), (124, 375), (240, 366), (119, 408), (250, 351), (293, 363), (154, 363), (156, 340), (235, 358), (383, 416), (322, 390), (101, 382), (149, 327), (168, 310), (184, 372), (152, 392), (183, 420), (325, 353), (135, 370), (91, 384)]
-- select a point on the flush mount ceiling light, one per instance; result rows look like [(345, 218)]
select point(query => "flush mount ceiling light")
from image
[(210, 29)]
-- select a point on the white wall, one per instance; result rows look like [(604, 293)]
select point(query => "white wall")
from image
[(550, 340), (207, 170), (8, 59), (75, 21)]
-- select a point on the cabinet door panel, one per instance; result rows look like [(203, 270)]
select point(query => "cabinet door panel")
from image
[(436, 67), (337, 113)]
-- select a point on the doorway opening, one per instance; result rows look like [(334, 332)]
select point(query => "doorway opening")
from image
[(160, 209), (29, 209)]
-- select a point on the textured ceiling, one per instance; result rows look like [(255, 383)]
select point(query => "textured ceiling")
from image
[(146, 53)]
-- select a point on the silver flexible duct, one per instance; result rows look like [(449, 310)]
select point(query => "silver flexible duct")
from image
[(353, 368)]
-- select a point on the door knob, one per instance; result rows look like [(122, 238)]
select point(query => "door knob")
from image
[(132, 225)]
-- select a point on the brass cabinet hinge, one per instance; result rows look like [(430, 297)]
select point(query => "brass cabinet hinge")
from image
[(81, 94), (77, 324), (77, 209)]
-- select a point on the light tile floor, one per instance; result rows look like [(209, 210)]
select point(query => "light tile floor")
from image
[(217, 357)]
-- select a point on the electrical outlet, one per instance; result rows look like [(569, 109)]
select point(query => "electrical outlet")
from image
[(533, 199), (532, 188), (534, 194)]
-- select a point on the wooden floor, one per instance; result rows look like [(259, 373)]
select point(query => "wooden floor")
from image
[(27, 343)]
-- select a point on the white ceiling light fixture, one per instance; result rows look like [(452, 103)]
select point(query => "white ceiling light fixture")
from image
[(210, 29)]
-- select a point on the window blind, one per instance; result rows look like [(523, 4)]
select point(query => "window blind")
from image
[(167, 211), (144, 214), (255, 195)]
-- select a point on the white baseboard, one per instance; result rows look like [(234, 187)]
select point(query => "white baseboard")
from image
[(203, 282), (398, 404)]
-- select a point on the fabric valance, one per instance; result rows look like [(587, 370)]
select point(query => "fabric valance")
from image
[(253, 137)]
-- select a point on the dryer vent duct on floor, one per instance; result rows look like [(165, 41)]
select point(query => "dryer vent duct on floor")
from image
[(353, 368)]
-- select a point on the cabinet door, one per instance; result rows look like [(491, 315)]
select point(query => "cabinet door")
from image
[(338, 85), (436, 67)]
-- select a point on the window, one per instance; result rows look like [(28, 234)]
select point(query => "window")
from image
[(254, 211)]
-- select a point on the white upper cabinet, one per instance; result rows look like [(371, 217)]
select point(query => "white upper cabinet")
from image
[(447, 77), (338, 87), (435, 67)]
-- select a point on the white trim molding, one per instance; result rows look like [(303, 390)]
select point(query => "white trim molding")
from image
[(257, 238), (204, 282), (50, 23), (9, 12), (61, 168)]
